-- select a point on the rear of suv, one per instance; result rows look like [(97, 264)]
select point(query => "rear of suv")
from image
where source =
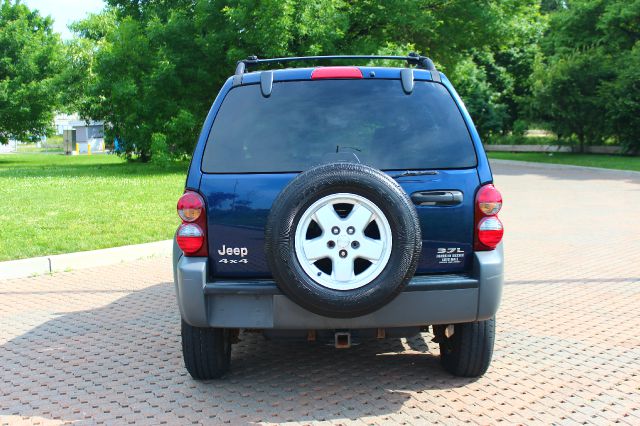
[(339, 204)]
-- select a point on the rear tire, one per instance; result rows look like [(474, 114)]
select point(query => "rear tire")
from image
[(467, 353), (206, 351)]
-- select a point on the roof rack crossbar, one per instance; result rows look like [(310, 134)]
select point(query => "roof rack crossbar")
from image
[(412, 59)]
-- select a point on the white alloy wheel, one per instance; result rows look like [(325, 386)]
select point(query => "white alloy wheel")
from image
[(332, 246)]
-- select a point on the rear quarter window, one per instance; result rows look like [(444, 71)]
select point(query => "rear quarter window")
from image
[(303, 123)]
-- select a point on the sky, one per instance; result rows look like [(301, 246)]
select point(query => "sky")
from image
[(65, 12)]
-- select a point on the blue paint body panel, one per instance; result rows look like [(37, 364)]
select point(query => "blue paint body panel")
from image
[(238, 204)]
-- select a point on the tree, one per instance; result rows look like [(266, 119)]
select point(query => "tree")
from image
[(621, 95), (567, 95), (586, 81), (486, 48), (623, 100), (30, 60), (481, 98)]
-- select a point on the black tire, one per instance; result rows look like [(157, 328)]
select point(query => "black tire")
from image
[(314, 184), (467, 353), (206, 351)]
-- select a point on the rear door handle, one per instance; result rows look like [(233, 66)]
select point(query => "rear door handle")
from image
[(437, 198)]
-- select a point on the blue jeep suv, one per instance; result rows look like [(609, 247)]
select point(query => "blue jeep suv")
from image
[(339, 204)]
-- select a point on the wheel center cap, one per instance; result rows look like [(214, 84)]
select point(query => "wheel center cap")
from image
[(343, 242)]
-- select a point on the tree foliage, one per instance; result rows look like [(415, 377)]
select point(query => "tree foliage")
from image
[(30, 62), (586, 81), (159, 64), (151, 68)]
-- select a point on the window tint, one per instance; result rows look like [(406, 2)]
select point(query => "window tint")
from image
[(304, 123)]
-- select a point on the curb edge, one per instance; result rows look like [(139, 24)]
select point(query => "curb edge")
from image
[(79, 260)]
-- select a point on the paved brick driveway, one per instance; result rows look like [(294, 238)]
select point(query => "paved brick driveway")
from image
[(102, 345)]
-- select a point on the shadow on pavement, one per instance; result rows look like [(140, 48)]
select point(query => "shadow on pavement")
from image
[(122, 362)]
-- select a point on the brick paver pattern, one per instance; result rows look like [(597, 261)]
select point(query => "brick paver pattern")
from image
[(103, 345)]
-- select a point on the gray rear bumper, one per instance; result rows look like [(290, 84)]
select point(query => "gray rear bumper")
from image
[(430, 299)]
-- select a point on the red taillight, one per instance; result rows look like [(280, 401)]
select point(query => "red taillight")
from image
[(336, 72), (489, 200), (190, 238), (489, 229), (190, 206), (192, 234)]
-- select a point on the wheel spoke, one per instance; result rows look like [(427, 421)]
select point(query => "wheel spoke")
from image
[(342, 269), (370, 249), (359, 217), (326, 217), (315, 249)]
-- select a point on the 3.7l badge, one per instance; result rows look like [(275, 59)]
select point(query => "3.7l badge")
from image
[(448, 255)]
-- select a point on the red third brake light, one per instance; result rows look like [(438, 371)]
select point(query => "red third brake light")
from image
[(336, 72), (488, 228), (192, 233)]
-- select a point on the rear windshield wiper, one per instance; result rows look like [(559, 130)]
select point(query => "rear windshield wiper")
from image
[(415, 173)]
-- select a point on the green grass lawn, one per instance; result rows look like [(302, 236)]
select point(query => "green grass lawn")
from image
[(58, 204), (32, 149), (591, 160), (53, 144)]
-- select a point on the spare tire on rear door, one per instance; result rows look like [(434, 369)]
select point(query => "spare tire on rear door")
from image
[(342, 240)]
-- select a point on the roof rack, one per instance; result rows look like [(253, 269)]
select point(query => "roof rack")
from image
[(412, 59)]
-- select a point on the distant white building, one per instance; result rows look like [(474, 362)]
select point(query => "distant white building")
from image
[(86, 133), (89, 133), (62, 122)]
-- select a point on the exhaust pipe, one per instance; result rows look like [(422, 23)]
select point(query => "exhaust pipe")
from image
[(343, 340)]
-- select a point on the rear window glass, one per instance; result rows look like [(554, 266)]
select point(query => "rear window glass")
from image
[(305, 123)]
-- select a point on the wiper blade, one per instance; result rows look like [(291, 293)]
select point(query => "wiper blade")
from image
[(415, 173)]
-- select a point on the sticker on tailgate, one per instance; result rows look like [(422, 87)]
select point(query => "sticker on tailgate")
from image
[(450, 255)]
